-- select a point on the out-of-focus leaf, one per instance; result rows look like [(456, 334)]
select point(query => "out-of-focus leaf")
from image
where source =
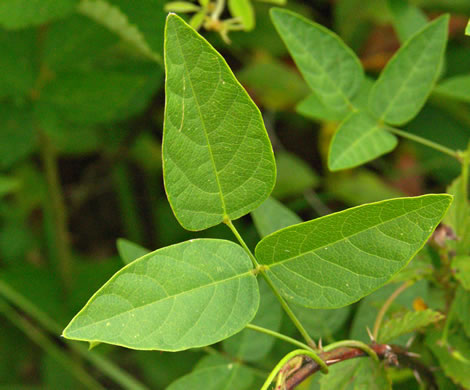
[(243, 10), (467, 29), (288, 89), (252, 346), (361, 186), (356, 374), (406, 323), (294, 176), (54, 376), (461, 268), (17, 136), (197, 19), (461, 307), (8, 184), (453, 358), (407, 18), (271, 216), (181, 6), (140, 23), (359, 139), (130, 251), (16, 14), (457, 87)]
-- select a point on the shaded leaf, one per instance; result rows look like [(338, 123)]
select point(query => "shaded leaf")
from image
[(329, 67), (461, 305), (457, 87), (217, 159), (406, 82), (271, 216), (335, 260), (187, 295), (407, 18), (461, 268), (359, 139), (130, 251), (406, 323), (8, 185)]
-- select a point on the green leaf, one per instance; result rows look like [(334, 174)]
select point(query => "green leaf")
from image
[(15, 14), (461, 307), (198, 19), (183, 296), (406, 323), (271, 216), (458, 217), (289, 184), (359, 139), (457, 87), (329, 67), (467, 29), (134, 22), (130, 251), (243, 10), (336, 260), (407, 18), (450, 356), (216, 375), (181, 6), (406, 82), (356, 374), (461, 268), (8, 184), (252, 346), (217, 159)]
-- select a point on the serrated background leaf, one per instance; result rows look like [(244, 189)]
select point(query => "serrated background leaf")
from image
[(335, 260), (406, 82), (187, 295), (329, 67), (217, 159), (359, 139)]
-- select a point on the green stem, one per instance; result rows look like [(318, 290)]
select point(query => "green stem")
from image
[(219, 8), (49, 347), (281, 300), (449, 318), (280, 336), (426, 142), (353, 344), (59, 214), (386, 305), (106, 366), (290, 356)]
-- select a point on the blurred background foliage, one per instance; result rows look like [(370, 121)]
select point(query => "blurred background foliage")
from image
[(81, 115)]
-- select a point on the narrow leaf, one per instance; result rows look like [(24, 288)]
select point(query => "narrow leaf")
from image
[(336, 260), (407, 80), (243, 10), (181, 6), (130, 251), (359, 139), (457, 87), (407, 18), (329, 67), (217, 159), (408, 322), (183, 296), (197, 19), (271, 216), (467, 29)]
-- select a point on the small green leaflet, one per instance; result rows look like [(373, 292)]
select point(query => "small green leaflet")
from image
[(335, 260), (183, 296), (406, 82), (243, 10), (129, 251), (218, 161), (407, 323), (359, 139), (457, 87), (329, 67), (467, 29)]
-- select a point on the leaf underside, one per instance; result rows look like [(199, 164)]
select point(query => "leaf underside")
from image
[(335, 260)]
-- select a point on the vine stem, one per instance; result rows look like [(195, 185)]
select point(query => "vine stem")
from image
[(453, 153), (386, 305), (352, 344), (281, 300), (51, 348), (101, 362), (280, 336)]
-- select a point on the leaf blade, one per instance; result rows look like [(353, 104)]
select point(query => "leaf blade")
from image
[(231, 170), (172, 299), (376, 241)]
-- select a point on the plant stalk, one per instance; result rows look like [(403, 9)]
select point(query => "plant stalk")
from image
[(280, 336)]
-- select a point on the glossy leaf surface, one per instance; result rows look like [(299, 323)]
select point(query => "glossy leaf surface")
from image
[(187, 295), (329, 67), (217, 159), (407, 80), (359, 139), (335, 260)]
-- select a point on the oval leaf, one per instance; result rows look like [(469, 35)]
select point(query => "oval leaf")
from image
[(217, 159), (329, 67), (407, 80), (183, 296), (336, 260), (359, 139), (243, 10)]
